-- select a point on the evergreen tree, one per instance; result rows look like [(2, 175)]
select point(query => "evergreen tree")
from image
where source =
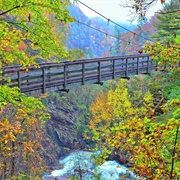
[(117, 34), (169, 25)]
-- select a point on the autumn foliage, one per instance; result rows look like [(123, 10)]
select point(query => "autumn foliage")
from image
[(165, 56), (28, 31), (21, 122), (119, 123)]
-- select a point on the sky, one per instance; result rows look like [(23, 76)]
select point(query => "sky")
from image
[(112, 9)]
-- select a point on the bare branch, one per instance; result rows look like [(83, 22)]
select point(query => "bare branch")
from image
[(21, 6), (5, 12), (174, 152)]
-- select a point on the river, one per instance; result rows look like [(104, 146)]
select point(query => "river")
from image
[(80, 164)]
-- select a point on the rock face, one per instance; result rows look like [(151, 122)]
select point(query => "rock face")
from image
[(63, 132), (59, 131)]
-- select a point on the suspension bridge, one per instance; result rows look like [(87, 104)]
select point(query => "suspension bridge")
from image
[(62, 76)]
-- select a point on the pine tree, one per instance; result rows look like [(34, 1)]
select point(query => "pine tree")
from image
[(116, 48), (169, 25)]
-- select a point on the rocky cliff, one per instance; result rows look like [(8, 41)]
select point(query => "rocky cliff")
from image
[(60, 131)]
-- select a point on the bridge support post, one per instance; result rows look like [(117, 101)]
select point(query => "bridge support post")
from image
[(19, 80), (113, 75), (65, 76), (148, 68), (65, 79), (99, 73), (137, 66), (126, 71), (83, 73), (44, 80)]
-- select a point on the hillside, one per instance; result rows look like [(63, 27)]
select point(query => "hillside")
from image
[(90, 41)]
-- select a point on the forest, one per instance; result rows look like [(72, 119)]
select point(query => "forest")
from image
[(135, 122)]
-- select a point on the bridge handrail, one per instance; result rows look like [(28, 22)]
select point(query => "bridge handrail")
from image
[(61, 76), (16, 68)]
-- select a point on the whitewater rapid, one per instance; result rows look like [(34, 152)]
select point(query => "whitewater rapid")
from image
[(82, 162)]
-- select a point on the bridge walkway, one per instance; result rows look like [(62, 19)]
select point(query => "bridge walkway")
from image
[(61, 76)]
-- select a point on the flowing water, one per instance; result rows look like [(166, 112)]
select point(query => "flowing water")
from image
[(80, 163)]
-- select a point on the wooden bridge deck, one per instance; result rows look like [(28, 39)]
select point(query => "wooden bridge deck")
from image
[(54, 76)]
